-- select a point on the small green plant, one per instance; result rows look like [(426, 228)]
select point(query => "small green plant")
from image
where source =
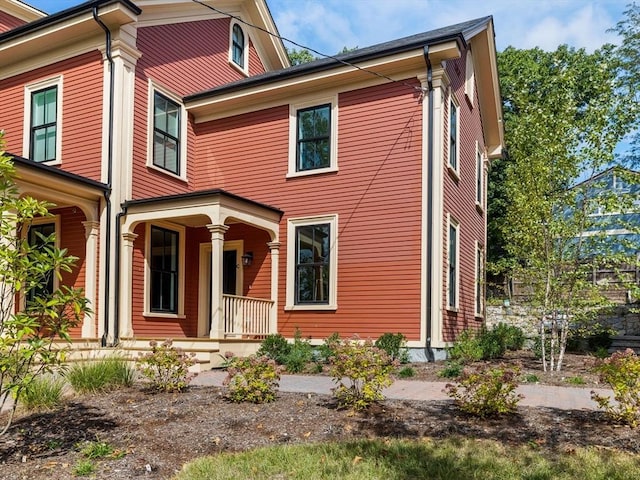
[(252, 379), (166, 367), (531, 378), (601, 353), (84, 468), (395, 344), (101, 374), (96, 449), (406, 372), (486, 391), (361, 371), (621, 371), (300, 354), (43, 393), (54, 444), (452, 369), (466, 348), (276, 347), (577, 380)]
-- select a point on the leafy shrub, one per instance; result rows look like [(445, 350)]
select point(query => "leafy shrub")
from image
[(492, 344), (327, 349), (276, 347), (466, 348), (43, 393), (622, 372), (395, 344), (406, 372), (531, 378), (101, 374), (512, 337), (452, 369), (252, 379), (300, 354), (367, 370), (486, 391), (601, 353), (166, 366)]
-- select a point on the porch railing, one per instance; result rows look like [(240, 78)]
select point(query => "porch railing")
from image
[(246, 316)]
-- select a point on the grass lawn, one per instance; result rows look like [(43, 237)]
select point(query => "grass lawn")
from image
[(450, 459)]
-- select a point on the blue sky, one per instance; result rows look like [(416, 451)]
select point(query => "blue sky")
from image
[(329, 25)]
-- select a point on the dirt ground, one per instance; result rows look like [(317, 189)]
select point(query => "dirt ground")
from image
[(155, 434)]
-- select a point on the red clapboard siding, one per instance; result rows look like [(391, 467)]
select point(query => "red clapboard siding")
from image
[(9, 22), (81, 120), (459, 201), (376, 193)]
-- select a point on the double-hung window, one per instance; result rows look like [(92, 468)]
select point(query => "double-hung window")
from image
[(43, 120), (40, 236), (479, 291), (166, 133), (312, 263), (453, 264), (164, 270), (479, 178), (314, 138), (237, 45), (454, 143)]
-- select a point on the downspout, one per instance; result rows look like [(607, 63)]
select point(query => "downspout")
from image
[(107, 193), (429, 299), (116, 303)]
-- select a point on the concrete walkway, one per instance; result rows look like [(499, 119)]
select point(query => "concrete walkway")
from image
[(564, 398)]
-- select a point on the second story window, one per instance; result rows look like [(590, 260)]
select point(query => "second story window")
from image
[(453, 134), (166, 133), (44, 124), (237, 46), (314, 138)]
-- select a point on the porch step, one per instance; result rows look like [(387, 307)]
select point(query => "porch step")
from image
[(622, 342)]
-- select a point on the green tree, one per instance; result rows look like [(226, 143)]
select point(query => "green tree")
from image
[(32, 316), (298, 57), (564, 113)]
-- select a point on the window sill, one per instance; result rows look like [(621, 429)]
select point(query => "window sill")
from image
[(164, 316), (49, 163), (289, 308), (453, 172), (167, 172), (316, 171), (479, 317), (452, 309), (237, 67), (479, 208)]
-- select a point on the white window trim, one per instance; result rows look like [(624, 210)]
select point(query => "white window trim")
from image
[(292, 223), (26, 137), (470, 79), (55, 219), (454, 170), (479, 277), (154, 87), (480, 182), (244, 69), (451, 222), (293, 137), (181, 269)]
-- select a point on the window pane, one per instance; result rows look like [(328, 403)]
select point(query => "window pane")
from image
[(312, 263), (50, 143), (164, 270), (50, 104), (37, 108), (314, 147), (237, 47), (453, 265), (38, 145)]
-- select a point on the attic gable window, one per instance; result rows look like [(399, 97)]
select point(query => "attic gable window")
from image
[(238, 51)]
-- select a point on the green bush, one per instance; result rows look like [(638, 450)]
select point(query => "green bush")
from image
[(101, 374), (252, 379), (325, 351), (486, 391), (361, 371), (300, 354), (492, 344), (395, 344), (622, 372), (275, 347), (511, 336), (166, 367), (466, 348), (406, 372), (43, 393), (452, 369)]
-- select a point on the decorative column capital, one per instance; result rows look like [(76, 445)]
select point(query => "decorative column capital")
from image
[(273, 245), (217, 231), (128, 238), (91, 228)]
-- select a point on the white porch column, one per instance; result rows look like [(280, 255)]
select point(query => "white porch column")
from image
[(126, 284), (217, 310), (91, 231), (274, 249)]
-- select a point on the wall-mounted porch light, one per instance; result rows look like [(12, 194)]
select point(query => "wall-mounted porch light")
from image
[(247, 259)]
